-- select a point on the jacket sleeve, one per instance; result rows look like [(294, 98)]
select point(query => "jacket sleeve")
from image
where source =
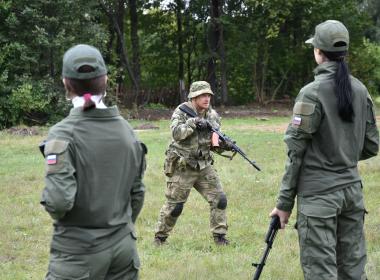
[(138, 188), (181, 126), (371, 141), (58, 196), (305, 121)]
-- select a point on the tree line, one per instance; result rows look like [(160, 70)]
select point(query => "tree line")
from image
[(248, 50)]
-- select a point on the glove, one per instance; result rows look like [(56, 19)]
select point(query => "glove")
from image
[(201, 123), (191, 122)]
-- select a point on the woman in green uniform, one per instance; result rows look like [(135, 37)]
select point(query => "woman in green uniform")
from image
[(93, 183), (332, 128)]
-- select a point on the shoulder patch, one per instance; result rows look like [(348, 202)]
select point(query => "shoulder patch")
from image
[(55, 146), (55, 156), (303, 116), (303, 108)]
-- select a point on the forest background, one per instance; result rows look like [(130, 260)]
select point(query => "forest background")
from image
[(249, 51)]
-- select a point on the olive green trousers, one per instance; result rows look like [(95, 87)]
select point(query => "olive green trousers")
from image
[(120, 261), (331, 235)]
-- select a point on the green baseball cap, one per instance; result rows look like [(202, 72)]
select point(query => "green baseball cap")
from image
[(198, 88), (330, 36), (81, 55)]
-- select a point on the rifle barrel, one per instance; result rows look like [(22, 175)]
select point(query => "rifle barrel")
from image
[(274, 226)]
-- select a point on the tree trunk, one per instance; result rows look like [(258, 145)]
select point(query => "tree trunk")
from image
[(260, 73), (179, 7), (188, 46), (51, 59), (111, 30), (117, 19), (212, 41), (216, 45), (223, 64), (135, 46)]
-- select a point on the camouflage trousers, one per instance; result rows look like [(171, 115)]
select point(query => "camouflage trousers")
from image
[(331, 235), (179, 185)]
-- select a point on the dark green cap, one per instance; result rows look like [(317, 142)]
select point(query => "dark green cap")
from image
[(330, 36), (81, 55)]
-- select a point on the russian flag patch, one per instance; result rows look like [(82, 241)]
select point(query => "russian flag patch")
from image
[(296, 120), (51, 159)]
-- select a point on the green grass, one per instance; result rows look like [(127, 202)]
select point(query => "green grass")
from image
[(190, 254)]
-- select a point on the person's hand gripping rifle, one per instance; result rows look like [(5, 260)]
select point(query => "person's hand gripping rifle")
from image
[(228, 141)]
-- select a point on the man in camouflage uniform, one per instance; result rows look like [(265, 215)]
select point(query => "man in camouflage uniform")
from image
[(188, 164)]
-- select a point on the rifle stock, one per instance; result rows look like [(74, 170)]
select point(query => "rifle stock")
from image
[(224, 138)]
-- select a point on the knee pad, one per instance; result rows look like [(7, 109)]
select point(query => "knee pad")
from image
[(177, 210), (222, 203)]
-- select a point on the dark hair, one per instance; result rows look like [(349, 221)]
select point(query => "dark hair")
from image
[(93, 86), (343, 89)]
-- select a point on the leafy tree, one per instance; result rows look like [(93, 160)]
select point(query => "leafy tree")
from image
[(249, 50), (33, 37)]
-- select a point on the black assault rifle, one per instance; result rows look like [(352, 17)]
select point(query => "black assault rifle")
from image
[(223, 137), (274, 226)]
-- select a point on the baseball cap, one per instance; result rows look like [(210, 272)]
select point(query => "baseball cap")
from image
[(80, 55), (330, 36)]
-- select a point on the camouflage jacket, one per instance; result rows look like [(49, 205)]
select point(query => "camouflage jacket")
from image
[(190, 145)]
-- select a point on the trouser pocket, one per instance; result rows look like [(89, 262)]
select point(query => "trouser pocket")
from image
[(316, 227), (317, 224), (66, 266)]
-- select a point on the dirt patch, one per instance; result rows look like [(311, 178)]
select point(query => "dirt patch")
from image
[(278, 128), (145, 126), (149, 114), (23, 131), (258, 111), (254, 110)]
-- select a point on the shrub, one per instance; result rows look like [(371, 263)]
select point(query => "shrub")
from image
[(365, 63)]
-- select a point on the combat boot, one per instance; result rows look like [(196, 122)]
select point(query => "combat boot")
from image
[(220, 239), (159, 240)]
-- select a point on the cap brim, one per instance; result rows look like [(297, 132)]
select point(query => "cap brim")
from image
[(310, 41)]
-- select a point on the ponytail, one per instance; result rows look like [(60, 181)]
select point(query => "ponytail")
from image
[(342, 89), (88, 103), (86, 87)]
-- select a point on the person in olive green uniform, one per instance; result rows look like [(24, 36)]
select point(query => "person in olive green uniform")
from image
[(332, 128), (189, 164), (94, 170)]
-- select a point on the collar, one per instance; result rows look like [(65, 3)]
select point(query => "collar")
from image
[(97, 113), (327, 68), (78, 101)]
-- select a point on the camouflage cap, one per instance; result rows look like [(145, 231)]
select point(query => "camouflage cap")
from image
[(330, 36), (81, 55), (198, 88)]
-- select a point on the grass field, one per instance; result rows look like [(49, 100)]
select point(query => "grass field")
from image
[(25, 229)]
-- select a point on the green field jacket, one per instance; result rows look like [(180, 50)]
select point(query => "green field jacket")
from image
[(93, 183), (323, 150)]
